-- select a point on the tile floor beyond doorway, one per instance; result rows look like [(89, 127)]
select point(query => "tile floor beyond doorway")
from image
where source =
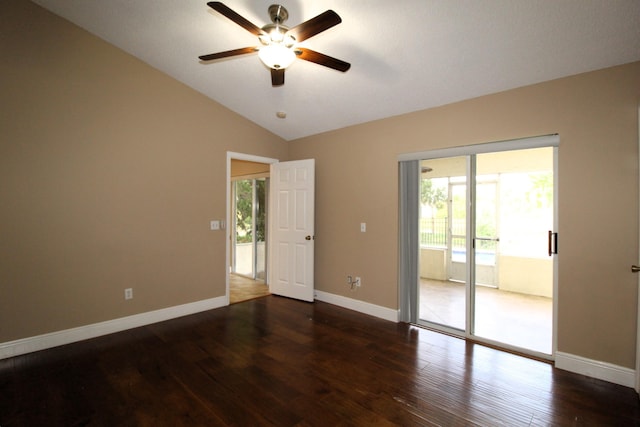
[(516, 319), (242, 288)]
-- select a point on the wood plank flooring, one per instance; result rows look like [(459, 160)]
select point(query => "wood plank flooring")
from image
[(279, 362)]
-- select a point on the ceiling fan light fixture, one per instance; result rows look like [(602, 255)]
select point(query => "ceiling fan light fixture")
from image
[(276, 56), (276, 35), (272, 33)]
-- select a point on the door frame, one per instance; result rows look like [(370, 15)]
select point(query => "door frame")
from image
[(251, 158), (637, 385)]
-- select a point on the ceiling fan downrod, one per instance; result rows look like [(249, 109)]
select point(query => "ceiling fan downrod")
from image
[(278, 14)]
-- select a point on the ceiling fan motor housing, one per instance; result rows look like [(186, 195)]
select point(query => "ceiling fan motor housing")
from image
[(278, 14)]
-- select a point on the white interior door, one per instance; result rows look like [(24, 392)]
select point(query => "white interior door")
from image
[(292, 229)]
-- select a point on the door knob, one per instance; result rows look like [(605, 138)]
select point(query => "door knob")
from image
[(635, 268), (307, 238)]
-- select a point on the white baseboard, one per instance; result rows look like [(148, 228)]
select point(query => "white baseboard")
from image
[(68, 336), (596, 369), (357, 305)]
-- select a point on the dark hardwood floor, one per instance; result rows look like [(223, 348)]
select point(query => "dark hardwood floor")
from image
[(275, 361)]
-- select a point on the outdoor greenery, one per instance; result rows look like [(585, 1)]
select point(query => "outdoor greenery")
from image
[(244, 210), (540, 194), (432, 196)]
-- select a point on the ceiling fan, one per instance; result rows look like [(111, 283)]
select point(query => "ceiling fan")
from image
[(278, 42)]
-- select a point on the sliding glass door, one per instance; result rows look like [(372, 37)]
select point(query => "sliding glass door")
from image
[(250, 228), (518, 308), (484, 264)]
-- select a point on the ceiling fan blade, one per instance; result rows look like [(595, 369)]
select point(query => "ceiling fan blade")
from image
[(316, 25), (322, 59), (235, 17), (227, 53), (277, 77)]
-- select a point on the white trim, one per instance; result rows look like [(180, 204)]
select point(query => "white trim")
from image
[(359, 306), (596, 369), (250, 157), (489, 147), (68, 336), (637, 384)]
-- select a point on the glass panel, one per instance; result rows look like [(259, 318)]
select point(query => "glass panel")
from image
[(458, 235), (486, 243), (442, 242), (243, 262), (514, 274), (261, 228)]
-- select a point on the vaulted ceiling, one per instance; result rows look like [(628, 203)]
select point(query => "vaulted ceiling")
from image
[(405, 55)]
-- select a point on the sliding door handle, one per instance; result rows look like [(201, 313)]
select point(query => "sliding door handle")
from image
[(552, 243)]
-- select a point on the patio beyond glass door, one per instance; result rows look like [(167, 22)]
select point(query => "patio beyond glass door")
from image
[(250, 228), (443, 243), (518, 309), (457, 227), (484, 265), (486, 238)]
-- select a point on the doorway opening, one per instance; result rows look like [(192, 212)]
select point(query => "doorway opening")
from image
[(247, 206), (486, 262), (249, 227)]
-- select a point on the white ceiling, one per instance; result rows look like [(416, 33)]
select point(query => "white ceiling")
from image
[(405, 55)]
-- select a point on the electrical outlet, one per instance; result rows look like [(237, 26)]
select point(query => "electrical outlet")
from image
[(354, 282), (128, 293)]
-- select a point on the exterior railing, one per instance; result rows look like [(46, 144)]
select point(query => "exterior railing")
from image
[(434, 234)]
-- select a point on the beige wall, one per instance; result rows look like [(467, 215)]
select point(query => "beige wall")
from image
[(109, 174), (596, 115)]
